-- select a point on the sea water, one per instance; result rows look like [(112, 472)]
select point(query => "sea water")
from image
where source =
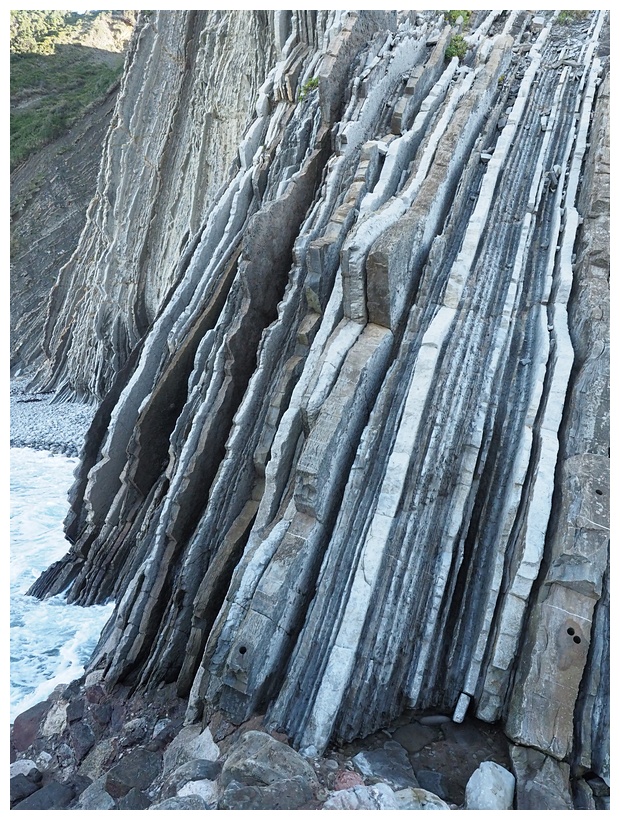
[(51, 641)]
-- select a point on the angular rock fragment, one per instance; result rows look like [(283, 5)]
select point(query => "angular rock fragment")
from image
[(95, 797), (491, 787), (27, 725), (193, 770), (49, 797), (542, 782), (137, 769), (134, 800), (190, 744), (389, 765), (21, 787)]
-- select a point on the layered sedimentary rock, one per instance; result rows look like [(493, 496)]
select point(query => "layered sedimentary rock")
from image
[(353, 456), (184, 104), (50, 193), (51, 190)]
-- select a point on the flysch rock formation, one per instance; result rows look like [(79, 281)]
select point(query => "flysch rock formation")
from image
[(351, 451), (50, 193), (49, 198)]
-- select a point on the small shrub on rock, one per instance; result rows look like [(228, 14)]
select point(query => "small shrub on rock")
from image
[(307, 87), (453, 16), (457, 47)]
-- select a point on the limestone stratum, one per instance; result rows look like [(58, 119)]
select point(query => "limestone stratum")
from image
[(341, 299)]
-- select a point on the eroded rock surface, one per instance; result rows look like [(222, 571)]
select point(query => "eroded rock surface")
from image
[(352, 456)]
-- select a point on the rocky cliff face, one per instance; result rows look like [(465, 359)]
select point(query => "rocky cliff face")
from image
[(50, 194), (352, 450), (51, 83)]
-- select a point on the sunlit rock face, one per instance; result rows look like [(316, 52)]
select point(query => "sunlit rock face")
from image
[(352, 455)]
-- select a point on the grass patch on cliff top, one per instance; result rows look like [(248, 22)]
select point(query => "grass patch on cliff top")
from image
[(58, 71)]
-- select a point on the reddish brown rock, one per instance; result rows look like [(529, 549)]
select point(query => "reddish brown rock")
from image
[(26, 726), (346, 780)]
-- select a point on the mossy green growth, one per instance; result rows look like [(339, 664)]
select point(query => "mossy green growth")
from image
[(307, 87), (571, 15), (457, 47), (453, 16)]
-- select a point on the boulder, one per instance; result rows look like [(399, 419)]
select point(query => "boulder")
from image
[(258, 759), (287, 794), (79, 783), (134, 731), (82, 739), (416, 799), (96, 762), (192, 743), (27, 725), (96, 798), (74, 709), (137, 769), (100, 712), (26, 767), (261, 772), (21, 788), (134, 800), (55, 721), (44, 761), (363, 798), (390, 765), (207, 789), (491, 787), (347, 780), (191, 771), (163, 732), (440, 784), (52, 796)]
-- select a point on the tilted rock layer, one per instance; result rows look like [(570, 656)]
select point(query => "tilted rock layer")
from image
[(351, 456)]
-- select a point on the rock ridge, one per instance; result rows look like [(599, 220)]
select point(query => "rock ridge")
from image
[(353, 437)]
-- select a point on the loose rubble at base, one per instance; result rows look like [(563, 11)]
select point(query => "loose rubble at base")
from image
[(87, 749)]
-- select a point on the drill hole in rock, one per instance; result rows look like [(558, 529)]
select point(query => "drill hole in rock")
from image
[(242, 650), (577, 639), (570, 630), (598, 492)]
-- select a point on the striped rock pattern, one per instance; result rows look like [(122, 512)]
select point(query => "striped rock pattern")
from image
[(352, 453)]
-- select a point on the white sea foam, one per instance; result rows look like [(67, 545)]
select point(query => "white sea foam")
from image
[(50, 640)]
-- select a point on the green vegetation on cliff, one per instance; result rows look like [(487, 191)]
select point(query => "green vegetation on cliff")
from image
[(61, 63)]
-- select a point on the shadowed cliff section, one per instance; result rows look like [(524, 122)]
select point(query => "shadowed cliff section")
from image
[(347, 469)]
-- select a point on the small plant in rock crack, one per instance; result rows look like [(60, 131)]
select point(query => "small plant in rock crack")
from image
[(571, 16), (457, 47), (307, 87), (453, 16)]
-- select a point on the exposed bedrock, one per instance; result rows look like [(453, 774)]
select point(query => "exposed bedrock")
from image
[(50, 193), (354, 454)]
